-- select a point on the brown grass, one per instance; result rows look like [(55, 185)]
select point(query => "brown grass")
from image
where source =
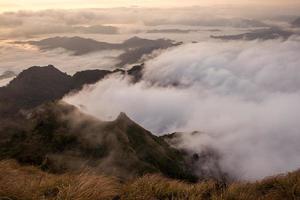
[(28, 183), (157, 187)]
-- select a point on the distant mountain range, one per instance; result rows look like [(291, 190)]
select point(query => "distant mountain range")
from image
[(263, 34), (260, 34), (134, 48)]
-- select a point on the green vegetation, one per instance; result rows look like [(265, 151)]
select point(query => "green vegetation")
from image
[(58, 138)]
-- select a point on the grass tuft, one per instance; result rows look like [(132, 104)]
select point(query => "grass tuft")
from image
[(29, 183)]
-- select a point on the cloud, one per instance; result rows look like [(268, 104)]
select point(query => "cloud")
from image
[(244, 97), (31, 24), (16, 58), (107, 21)]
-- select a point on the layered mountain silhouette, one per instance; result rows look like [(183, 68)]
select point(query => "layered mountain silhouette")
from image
[(261, 34), (57, 137), (133, 49), (38, 85)]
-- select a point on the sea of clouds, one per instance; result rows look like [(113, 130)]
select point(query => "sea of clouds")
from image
[(243, 96)]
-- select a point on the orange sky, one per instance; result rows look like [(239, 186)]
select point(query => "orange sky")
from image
[(8, 5)]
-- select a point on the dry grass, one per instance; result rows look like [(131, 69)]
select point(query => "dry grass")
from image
[(157, 187), (28, 183), (274, 188)]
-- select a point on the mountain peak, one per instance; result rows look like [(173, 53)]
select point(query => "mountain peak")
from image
[(122, 117)]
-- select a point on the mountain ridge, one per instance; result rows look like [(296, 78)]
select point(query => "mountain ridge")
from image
[(133, 48), (37, 85), (59, 138)]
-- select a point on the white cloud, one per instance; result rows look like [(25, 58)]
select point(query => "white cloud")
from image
[(243, 95), (36, 23), (19, 57)]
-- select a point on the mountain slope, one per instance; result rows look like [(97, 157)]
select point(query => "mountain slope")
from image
[(133, 49), (77, 45), (37, 85), (59, 138), (36, 129)]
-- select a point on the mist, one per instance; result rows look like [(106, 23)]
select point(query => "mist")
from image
[(243, 97), (112, 21), (28, 55)]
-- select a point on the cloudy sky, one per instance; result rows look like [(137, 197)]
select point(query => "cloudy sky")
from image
[(6, 5)]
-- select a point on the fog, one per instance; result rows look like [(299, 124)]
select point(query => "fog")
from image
[(16, 58), (28, 24), (243, 97)]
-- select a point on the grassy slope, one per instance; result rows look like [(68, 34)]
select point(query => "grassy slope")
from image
[(28, 183), (58, 138)]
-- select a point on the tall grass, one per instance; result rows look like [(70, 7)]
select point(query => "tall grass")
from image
[(28, 183), (157, 187)]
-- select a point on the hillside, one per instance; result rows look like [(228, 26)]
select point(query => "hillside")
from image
[(37, 85), (133, 49), (59, 138)]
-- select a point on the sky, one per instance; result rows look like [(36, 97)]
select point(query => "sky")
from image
[(7, 5)]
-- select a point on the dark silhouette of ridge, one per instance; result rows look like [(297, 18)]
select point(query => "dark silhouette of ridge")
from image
[(37, 85), (261, 34), (134, 48)]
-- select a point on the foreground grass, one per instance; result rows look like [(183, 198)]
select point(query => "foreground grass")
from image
[(28, 183)]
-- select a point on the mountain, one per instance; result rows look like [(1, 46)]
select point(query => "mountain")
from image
[(134, 48), (37, 85), (59, 138), (261, 34), (296, 22), (77, 45), (136, 72), (88, 77), (35, 128), (32, 87)]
